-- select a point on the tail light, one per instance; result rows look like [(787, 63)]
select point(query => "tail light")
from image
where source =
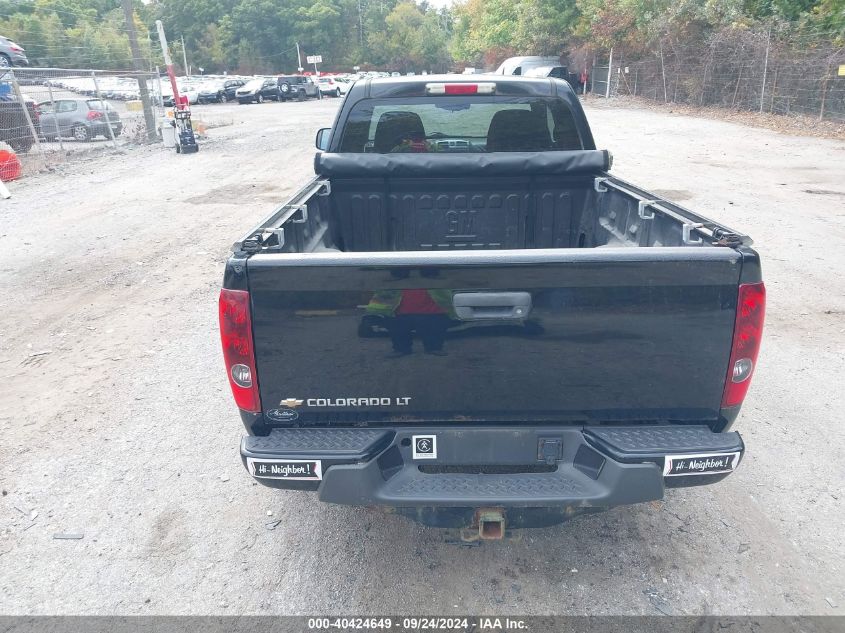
[(748, 330), (94, 114), (238, 350)]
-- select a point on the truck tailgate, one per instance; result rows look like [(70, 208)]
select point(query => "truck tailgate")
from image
[(580, 335)]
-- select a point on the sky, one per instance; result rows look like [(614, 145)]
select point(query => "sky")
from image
[(441, 3)]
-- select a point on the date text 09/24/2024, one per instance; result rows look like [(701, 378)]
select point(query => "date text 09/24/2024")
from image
[(432, 623)]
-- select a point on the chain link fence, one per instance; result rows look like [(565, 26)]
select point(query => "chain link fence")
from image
[(773, 69), (52, 115)]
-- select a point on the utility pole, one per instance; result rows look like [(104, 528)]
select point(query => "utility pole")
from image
[(299, 67), (609, 76), (185, 56), (361, 26), (138, 63)]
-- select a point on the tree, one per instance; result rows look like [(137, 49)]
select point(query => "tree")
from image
[(829, 16), (413, 39), (319, 29), (260, 36), (525, 27)]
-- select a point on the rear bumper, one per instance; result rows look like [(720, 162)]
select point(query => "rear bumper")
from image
[(567, 467)]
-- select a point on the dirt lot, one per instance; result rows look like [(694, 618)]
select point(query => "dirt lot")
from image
[(117, 421)]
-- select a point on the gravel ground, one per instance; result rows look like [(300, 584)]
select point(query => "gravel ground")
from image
[(117, 422)]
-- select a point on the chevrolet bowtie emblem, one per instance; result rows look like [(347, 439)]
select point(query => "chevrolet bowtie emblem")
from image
[(290, 402)]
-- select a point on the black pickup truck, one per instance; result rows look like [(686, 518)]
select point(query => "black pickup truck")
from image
[(464, 318)]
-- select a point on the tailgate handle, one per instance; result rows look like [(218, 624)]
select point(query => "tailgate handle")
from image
[(476, 306)]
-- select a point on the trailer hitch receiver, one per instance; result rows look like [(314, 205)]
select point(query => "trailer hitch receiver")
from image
[(491, 524)]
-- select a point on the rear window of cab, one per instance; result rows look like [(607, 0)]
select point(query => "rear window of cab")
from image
[(460, 124)]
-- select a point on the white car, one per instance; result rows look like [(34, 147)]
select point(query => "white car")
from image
[(190, 90), (345, 83), (192, 93), (329, 87)]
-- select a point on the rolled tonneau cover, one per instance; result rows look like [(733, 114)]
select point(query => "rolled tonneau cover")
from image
[(329, 164)]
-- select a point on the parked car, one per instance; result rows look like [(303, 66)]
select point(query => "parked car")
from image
[(329, 87), (32, 77), (607, 337), (81, 119), (11, 54), (187, 88), (344, 83), (191, 91), (220, 91), (209, 91), (258, 91), (298, 87)]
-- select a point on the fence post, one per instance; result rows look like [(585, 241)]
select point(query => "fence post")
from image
[(636, 75), (663, 70), (105, 108), (736, 89), (28, 118), (765, 68), (584, 85), (707, 67), (609, 70), (774, 92), (824, 90), (160, 100), (624, 78), (58, 131)]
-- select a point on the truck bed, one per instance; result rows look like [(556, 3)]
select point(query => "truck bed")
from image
[(377, 203), (610, 333)]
